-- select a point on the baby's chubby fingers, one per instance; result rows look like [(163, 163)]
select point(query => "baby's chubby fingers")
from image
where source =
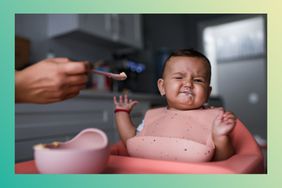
[(230, 122), (229, 115), (115, 100), (125, 99), (133, 102), (219, 117), (120, 99)]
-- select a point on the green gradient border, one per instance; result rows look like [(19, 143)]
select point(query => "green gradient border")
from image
[(8, 8)]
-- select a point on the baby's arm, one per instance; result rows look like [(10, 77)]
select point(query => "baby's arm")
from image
[(124, 123), (222, 126)]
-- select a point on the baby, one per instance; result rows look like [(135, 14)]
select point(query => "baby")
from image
[(185, 83)]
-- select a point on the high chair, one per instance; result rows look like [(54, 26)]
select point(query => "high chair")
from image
[(247, 159)]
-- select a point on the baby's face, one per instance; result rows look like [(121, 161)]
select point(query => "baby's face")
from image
[(185, 83)]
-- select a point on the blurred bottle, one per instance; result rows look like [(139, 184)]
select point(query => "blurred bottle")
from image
[(99, 82)]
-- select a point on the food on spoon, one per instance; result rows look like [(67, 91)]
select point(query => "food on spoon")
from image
[(124, 76)]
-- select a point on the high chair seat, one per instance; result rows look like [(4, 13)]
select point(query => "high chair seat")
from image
[(247, 159)]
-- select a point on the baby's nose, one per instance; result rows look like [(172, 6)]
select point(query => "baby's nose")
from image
[(187, 83)]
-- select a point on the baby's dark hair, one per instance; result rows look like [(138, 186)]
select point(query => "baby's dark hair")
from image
[(188, 53)]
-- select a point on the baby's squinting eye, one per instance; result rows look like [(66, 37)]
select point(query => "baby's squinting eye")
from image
[(178, 77), (198, 80)]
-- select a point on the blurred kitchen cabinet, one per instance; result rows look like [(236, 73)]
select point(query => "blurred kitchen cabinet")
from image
[(129, 29), (124, 29)]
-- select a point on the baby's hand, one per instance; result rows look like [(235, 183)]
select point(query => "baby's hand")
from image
[(124, 103), (223, 123)]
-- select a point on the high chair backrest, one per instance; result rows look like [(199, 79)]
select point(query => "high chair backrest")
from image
[(243, 141)]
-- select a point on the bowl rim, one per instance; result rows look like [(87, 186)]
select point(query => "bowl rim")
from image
[(55, 146)]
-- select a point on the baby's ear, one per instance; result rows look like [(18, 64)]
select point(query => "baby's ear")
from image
[(161, 86)]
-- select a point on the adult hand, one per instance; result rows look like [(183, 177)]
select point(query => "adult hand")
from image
[(50, 80)]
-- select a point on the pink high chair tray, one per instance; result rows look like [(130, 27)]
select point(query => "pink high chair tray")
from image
[(248, 159)]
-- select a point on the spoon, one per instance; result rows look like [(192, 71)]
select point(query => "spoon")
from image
[(120, 76)]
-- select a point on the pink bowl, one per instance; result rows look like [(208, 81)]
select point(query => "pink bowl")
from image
[(86, 153)]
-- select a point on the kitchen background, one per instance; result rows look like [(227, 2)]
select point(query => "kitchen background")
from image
[(137, 45)]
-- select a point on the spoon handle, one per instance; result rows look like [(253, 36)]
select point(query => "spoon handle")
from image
[(121, 76), (108, 74)]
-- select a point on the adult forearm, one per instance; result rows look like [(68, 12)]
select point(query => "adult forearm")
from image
[(223, 148), (125, 126)]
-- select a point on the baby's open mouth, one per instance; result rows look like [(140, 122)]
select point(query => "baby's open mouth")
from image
[(187, 92)]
